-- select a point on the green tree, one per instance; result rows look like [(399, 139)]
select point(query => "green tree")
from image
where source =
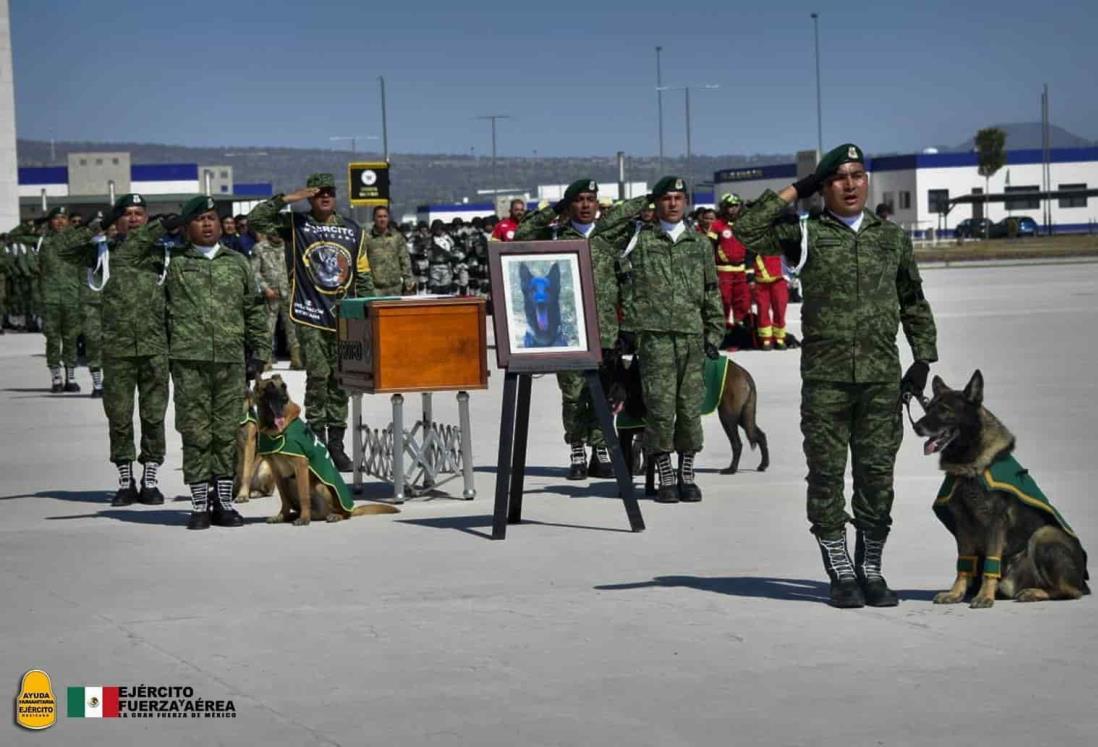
[(990, 157)]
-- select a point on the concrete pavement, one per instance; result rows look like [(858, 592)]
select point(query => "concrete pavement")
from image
[(708, 628)]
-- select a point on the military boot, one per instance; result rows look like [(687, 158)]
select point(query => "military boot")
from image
[(343, 462), (200, 517), (600, 465), (668, 491), (70, 380), (867, 565), (127, 492), (150, 489), (57, 384), (845, 591), (295, 358), (577, 470), (689, 492), (224, 515)]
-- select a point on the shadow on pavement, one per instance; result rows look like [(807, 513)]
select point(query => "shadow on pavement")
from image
[(160, 516), (472, 524), (81, 496), (530, 471), (782, 589)]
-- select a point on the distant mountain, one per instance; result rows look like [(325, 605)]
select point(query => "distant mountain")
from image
[(416, 178), (1025, 135)]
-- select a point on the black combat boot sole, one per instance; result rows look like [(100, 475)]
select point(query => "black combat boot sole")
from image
[(846, 595), (199, 520), (72, 387), (57, 388), (577, 472), (667, 494), (228, 518), (599, 470), (124, 497), (689, 493), (877, 594), (150, 496)]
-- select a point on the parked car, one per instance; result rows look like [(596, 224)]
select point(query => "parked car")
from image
[(972, 228), (1009, 228)]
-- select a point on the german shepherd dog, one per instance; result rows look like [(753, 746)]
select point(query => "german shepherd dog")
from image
[(736, 410), (254, 478), (541, 303), (1039, 559), (274, 411)]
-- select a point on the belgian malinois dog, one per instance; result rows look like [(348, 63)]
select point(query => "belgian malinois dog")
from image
[(1008, 536), (305, 496), (254, 478), (736, 410)]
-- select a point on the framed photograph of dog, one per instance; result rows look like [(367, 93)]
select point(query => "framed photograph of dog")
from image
[(543, 299)]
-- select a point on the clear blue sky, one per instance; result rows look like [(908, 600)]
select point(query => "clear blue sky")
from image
[(578, 77)]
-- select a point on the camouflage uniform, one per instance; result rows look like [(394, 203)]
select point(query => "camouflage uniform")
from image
[(389, 262), (858, 289), (325, 401), (135, 340), (60, 282), (668, 292), (91, 302), (269, 265), (215, 313), (577, 408)]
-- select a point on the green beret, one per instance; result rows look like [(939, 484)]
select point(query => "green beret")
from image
[(669, 184), (59, 210), (578, 187), (731, 199), (845, 153), (321, 180), (130, 200), (196, 206)]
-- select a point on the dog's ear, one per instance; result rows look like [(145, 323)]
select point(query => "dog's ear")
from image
[(554, 275), (974, 390), (524, 275), (937, 386)]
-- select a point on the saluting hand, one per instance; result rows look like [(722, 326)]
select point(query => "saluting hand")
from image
[(302, 194)]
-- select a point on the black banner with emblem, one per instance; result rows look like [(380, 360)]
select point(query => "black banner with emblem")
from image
[(324, 258), (368, 183)]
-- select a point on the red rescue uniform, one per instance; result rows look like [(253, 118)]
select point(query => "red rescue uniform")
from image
[(731, 258), (771, 296), (504, 230)]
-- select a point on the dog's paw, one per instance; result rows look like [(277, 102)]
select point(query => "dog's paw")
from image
[(948, 597), (301, 521), (276, 519), (1032, 595), (241, 499), (982, 603), (333, 518)]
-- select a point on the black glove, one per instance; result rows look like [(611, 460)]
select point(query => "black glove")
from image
[(627, 342), (914, 381), (712, 353), (807, 186)]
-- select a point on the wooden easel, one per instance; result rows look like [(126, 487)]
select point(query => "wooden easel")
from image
[(511, 467)]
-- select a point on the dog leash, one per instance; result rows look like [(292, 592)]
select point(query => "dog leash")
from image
[(921, 399)]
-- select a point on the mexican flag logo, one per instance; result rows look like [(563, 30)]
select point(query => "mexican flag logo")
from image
[(93, 701)]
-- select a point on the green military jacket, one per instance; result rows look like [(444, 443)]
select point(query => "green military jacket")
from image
[(133, 297), (664, 285), (390, 263), (60, 279), (546, 225), (857, 288), (266, 217), (269, 265), (215, 310)]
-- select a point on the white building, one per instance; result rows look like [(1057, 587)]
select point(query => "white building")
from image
[(920, 186)]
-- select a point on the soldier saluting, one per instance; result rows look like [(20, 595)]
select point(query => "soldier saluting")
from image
[(327, 263), (672, 317), (860, 283)]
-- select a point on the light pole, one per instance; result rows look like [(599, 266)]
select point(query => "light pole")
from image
[(659, 104), (819, 100), (493, 118), (689, 149), (384, 120)]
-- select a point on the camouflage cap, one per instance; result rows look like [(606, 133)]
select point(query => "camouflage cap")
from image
[(321, 180), (59, 210), (669, 184), (836, 157), (731, 199), (578, 187), (129, 200), (196, 206)]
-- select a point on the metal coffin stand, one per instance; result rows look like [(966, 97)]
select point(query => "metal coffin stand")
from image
[(449, 354)]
